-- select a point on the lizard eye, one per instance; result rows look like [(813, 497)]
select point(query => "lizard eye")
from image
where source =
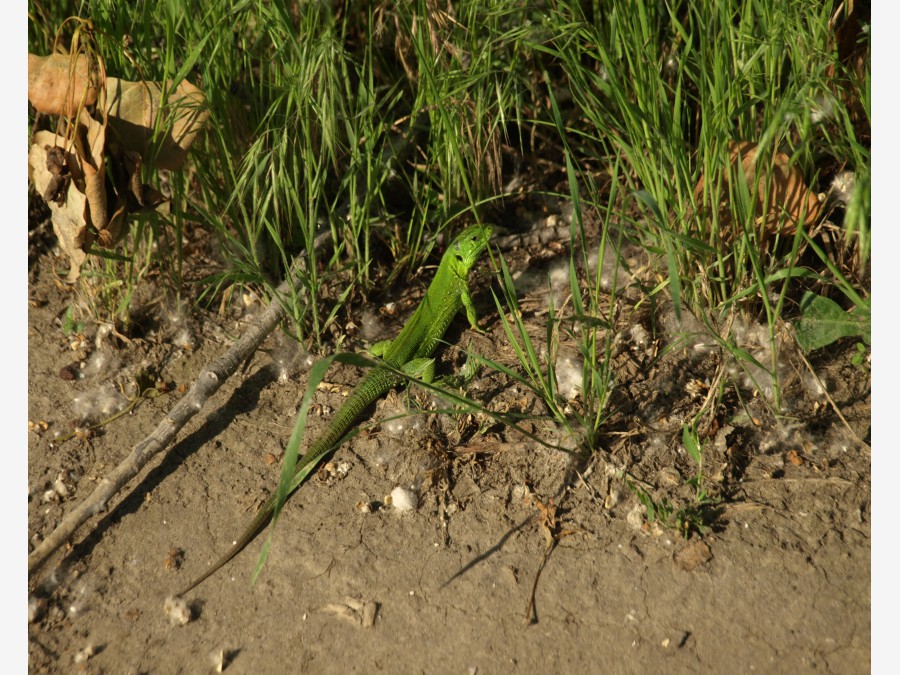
[(458, 257)]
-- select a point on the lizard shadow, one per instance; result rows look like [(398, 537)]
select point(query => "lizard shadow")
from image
[(243, 400), (489, 552)]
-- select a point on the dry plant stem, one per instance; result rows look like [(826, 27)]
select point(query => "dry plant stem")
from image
[(208, 382), (131, 406), (530, 613)]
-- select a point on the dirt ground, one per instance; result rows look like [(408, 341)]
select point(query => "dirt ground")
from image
[(778, 581)]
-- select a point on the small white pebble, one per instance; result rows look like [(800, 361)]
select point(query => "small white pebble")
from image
[(520, 492), (218, 660), (178, 611), (84, 654), (403, 499), (635, 517), (612, 498), (36, 608), (60, 486)]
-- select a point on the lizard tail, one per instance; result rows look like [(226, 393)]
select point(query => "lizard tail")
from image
[(263, 516)]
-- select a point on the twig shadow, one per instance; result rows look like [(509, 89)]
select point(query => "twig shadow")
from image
[(244, 399)]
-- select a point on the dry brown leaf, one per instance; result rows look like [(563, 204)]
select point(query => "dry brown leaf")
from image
[(91, 175), (90, 139), (548, 520), (140, 195), (788, 202), (133, 108), (794, 458), (59, 180), (49, 87), (68, 217)]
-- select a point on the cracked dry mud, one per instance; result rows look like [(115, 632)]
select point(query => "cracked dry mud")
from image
[(780, 582)]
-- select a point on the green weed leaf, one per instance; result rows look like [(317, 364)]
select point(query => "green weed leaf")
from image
[(69, 325), (823, 321), (289, 480), (692, 443)]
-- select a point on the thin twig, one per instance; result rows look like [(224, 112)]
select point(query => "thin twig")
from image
[(207, 383)]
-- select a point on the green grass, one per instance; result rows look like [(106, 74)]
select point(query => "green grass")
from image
[(665, 88), (387, 123)]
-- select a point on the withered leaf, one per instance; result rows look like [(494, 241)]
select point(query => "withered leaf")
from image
[(778, 207), (133, 108), (91, 172), (59, 176), (90, 139), (51, 90), (68, 220)]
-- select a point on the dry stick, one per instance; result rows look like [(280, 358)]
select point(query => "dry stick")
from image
[(208, 382)]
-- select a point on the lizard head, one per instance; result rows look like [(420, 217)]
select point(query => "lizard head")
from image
[(468, 246)]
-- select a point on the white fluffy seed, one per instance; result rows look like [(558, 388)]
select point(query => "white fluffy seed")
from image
[(404, 499)]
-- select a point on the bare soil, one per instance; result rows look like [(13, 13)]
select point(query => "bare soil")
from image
[(519, 558)]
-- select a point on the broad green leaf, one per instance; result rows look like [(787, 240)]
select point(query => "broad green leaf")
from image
[(823, 321)]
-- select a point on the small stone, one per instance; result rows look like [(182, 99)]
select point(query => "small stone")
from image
[(368, 613), (218, 660), (36, 608), (612, 499), (520, 492), (693, 555), (177, 611), (84, 654), (59, 485), (635, 517)]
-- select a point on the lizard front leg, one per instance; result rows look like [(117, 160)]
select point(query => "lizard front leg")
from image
[(469, 306)]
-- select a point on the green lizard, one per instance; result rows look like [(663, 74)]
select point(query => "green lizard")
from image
[(409, 352)]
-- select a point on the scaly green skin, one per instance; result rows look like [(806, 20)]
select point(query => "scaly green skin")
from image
[(447, 294)]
